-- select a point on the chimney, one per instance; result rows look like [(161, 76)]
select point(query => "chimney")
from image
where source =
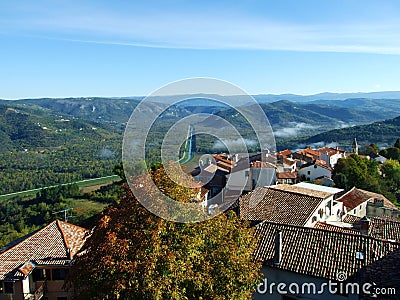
[(278, 248), (364, 225)]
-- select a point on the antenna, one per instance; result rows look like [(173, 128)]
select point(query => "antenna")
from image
[(65, 213)]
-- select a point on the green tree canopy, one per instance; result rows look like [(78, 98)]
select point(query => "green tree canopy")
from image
[(357, 171)]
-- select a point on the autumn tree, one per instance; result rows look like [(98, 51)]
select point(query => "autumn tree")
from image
[(133, 254)]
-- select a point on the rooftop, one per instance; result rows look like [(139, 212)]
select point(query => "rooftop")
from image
[(355, 197), (308, 151), (320, 253), (320, 188), (54, 244), (379, 227), (281, 203)]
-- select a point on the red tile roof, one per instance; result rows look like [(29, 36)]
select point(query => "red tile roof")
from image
[(326, 226), (262, 164), (287, 175), (330, 151), (282, 203), (285, 152), (319, 253), (56, 243), (379, 227), (309, 152), (355, 197)]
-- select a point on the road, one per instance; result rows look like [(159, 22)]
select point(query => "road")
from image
[(46, 187), (189, 151)]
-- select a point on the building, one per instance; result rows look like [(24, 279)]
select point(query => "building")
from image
[(360, 203), (354, 146), (310, 258), (314, 171), (35, 266), (334, 191), (286, 177), (289, 204), (331, 155), (378, 227)]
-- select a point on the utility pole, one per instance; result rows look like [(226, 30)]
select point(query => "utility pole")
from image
[(65, 213)]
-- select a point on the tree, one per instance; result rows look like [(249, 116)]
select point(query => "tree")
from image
[(357, 171), (397, 144), (391, 172), (133, 254), (370, 149), (391, 153)]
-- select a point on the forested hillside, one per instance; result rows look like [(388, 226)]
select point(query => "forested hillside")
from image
[(41, 147), (385, 132)]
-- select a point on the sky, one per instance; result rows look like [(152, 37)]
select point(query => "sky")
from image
[(68, 48)]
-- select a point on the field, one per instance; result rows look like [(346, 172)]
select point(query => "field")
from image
[(86, 185)]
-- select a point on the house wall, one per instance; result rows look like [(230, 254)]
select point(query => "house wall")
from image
[(376, 211), (239, 180), (18, 293), (314, 172), (263, 177), (275, 275), (326, 209), (359, 211)]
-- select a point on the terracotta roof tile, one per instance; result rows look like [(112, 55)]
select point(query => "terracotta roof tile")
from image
[(285, 152), (56, 241), (379, 227), (320, 253), (262, 164), (309, 152), (279, 204), (302, 191), (326, 226), (355, 197), (287, 175)]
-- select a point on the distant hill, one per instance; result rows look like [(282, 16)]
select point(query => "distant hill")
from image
[(288, 119), (384, 132), (268, 98)]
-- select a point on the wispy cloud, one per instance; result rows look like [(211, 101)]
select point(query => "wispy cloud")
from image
[(293, 129), (212, 31), (234, 145)]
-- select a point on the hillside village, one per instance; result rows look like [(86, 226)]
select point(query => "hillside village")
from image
[(307, 229)]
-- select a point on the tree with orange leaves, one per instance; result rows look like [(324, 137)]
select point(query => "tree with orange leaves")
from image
[(133, 254)]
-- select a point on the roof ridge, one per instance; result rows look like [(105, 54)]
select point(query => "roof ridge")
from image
[(276, 188), (63, 235), (28, 237), (327, 231)]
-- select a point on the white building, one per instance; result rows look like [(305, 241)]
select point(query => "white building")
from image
[(331, 155), (313, 171)]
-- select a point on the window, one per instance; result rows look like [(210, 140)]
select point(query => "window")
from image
[(8, 287), (59, 274), (39, 275), (314, 219), (308, 172)]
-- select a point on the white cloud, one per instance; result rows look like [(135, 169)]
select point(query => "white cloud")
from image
[(198, 30), (233, 145)]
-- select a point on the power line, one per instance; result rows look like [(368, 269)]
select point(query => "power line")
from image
[(65, 213)]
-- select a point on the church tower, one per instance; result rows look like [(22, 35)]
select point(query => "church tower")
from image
[(354, 147)]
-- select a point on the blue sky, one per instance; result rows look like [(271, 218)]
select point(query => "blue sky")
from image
[(54, 48)]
